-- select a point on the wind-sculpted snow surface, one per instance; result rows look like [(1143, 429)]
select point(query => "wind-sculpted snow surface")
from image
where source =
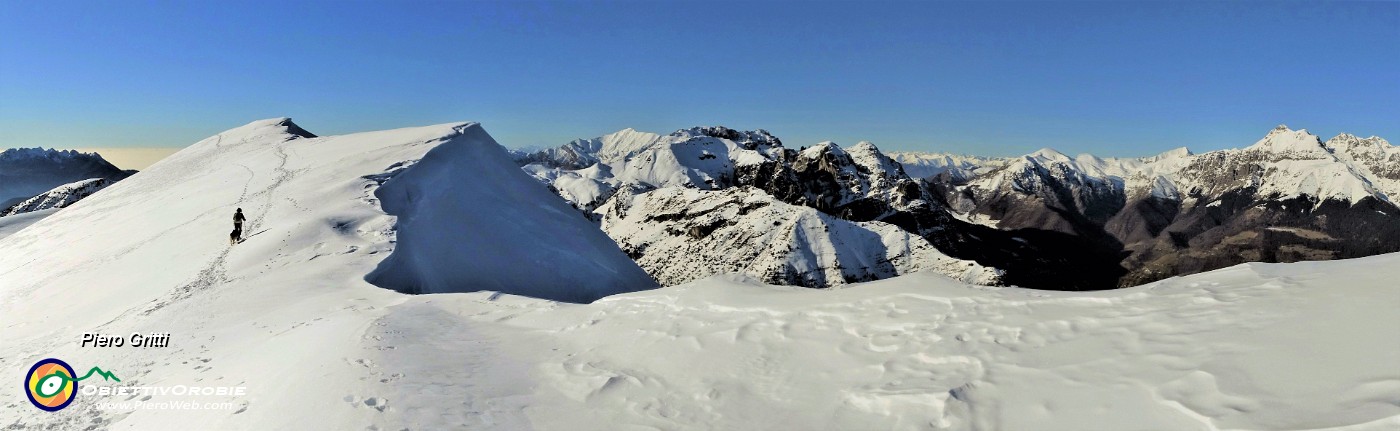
[(1259, 346)]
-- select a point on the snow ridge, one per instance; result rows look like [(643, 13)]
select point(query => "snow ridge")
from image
[(59, 197)]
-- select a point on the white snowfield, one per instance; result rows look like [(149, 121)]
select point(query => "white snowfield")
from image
[(289, 316)]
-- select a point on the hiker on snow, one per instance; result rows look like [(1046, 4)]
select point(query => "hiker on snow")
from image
[(238, 219)]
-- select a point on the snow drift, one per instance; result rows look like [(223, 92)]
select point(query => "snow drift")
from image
[(470, 220)]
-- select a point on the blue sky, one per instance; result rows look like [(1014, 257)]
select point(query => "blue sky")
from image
[(993, 78)]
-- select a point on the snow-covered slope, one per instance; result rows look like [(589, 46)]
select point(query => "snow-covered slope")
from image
[(680, 235), (585, 188), (288, 306), (9, 225), (1241, 348), (26, 172), (59, 197)]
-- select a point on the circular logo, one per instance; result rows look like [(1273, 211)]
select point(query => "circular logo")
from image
[(50, 385)]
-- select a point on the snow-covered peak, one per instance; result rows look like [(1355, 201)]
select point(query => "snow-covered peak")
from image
[(865, 149), (1175, 153), (746, 139), (868, 156), (1284, 141), (280, 125), (1350, 143), (51, 154), (864, 146), (1049, 154), (623, 144), (820, 148)]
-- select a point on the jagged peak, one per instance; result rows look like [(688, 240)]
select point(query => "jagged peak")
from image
[(1350, 138), (51, 154), (747, 138), (41, 151)]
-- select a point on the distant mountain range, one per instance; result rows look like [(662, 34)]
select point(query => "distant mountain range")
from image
[(26, 173), (709, 200)]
